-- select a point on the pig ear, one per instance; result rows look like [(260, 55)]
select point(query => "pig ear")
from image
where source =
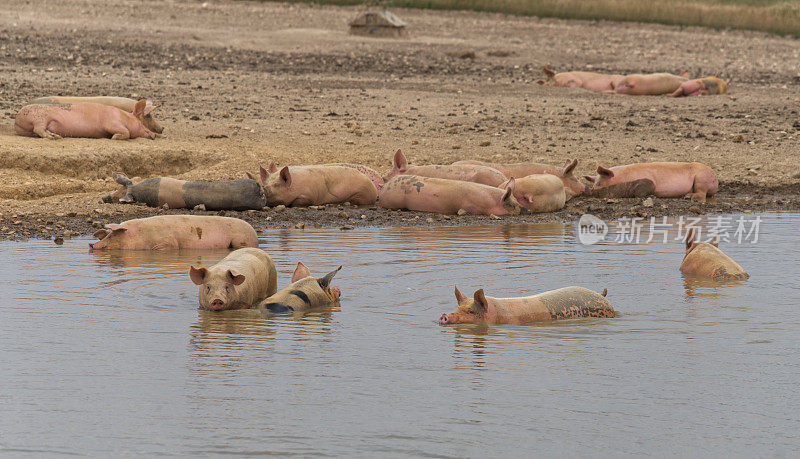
[(603, 171), (715, 242), (569, 167), (236, 279), (101, 233), (300, 272), (460, 296), (509, 187), (251, 176), (550, 74), (685, 74), (263, 174), (138, 109), (272, 167), (197, 275), (690, 237), (325, 282), (399, 163), (116, 227), (286, 176), (589, 178), (480, 301)]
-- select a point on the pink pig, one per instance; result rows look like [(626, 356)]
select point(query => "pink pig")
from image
[(572, 187), (316, 185), (82, 120), (671, 180), (702, 87), (597, 82), (466, 172), (652, 84)]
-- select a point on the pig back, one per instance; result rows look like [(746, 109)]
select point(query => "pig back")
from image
[(574, 302), (242, 194)]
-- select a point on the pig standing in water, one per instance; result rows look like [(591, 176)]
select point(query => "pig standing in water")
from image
[(563, 303), (592, 81), (173, 232), (315, 185), (539, 192), (465, 172), (652, 84), (702, 87), (572, 187), (443, 196), (239, 281), (82, 120), (671, 179), (304, 293), (122, 103), (181, 194), (706, 259)]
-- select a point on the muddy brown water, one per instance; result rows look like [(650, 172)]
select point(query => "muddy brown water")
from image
[(107, 354)]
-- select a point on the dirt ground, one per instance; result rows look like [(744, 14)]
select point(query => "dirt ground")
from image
[(244, 83)]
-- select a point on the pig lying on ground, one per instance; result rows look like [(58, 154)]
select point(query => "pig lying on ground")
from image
[(539, 192), (671, 179), (81, 120), (304, 293), (443, 196), (706, 259), (239, 281), (179, 194), (120, 102), (572, 187), (701, 87), (652, 84), (465, 172), (372, 174), (633, 189), (592, 81), (315, 185), (564, 303), (173, 232)]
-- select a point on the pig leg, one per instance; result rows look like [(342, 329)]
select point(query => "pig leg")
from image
[(678, 92), (41, 131), (120, 134)]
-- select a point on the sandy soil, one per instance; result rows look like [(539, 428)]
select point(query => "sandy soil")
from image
[(243, 83)]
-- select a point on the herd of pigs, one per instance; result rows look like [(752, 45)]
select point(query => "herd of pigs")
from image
[(247, 278)]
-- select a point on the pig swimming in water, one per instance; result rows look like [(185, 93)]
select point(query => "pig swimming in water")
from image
[(572, 187), (239, 281), (671, 179), (123, 103), (181, 194), (315, 185), (174, 232), (304, 293), (706, 259), (82, 120), (465, 172), (563, 303)]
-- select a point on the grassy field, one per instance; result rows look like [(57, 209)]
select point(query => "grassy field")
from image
[(775, 16)]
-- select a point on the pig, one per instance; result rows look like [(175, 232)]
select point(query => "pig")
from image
[(652, 84), (81, 120), (239, 281), (372, 174), (539, 192), (592, 81), (671, 179), (702, 86), (304, 293), (120, 102), (706, 259), (316, 185), (178, 194), (563, 303), (572, 187), (633, 189), (466, 172), (444, 196), (174, 232)]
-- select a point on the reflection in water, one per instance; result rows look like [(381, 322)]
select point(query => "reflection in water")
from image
[(699, 287)]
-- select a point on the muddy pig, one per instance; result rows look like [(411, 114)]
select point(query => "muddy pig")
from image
[(372, 174), (592, 81), (120, 102), (671, 179), (702, 87), (239, 281), (633, 189), (81, 120), (173, 232), (466, 172), (539, 192), (181, 194), (706, 259), (652, 84), (304, 293), (563, 303), (572, 187), (316, 185), (443, 196)]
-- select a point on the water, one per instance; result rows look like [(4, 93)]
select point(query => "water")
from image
[(107, 354)]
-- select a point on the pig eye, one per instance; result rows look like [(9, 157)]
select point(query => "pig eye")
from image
[(208, 288)]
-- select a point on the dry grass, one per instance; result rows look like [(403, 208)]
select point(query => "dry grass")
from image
[(775, 16)]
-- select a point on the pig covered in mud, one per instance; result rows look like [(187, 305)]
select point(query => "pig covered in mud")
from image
[(304, 293), (181, 194), (633, 189), (123, 103), (316, 185), (563, 303), (239, 281), (707, 86), (706, 259), (597, 82), (465, 172), (671, 179), (443, 196), (81, 120), (572, 187), (174, 232)]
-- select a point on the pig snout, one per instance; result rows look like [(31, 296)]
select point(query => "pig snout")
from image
[(91, 246), (217, 305), (444, 320), (337, 292)]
